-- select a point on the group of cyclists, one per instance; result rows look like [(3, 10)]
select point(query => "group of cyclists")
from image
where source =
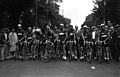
[(100, 43)]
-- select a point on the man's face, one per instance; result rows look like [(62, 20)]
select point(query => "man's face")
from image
[(13, 30), (29, 30), (19, 27), (76, 28)]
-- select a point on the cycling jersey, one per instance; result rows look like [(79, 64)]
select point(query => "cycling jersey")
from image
[(71, 35), (50, 35), (86, 36), (103, 35), (37, 34), (61, 36), (118, 34), (29, 36), (20, 34)]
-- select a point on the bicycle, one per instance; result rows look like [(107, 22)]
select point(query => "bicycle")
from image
[(48, 53), (57, 53), (35, 49), (99, 52), (102, 52), (25, 49), (89, 51), (72, 53), (70, 43)]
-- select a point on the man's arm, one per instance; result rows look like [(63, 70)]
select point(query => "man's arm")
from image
[(66, 37), (107, 37)]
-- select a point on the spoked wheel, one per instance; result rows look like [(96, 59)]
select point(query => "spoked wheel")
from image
[(56, 57), (81, 54), (24, 50), (69, 56), (89, 55), (46, 57), (75, 52), (108, 55), (100, 55), (100, 58)]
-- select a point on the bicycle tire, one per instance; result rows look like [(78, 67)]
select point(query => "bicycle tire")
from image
[(89, 55), (69, 56), (46, 57), (81, 53), (24, 52), (100, 55)]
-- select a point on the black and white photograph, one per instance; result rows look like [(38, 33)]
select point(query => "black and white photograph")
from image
[(59, 38)]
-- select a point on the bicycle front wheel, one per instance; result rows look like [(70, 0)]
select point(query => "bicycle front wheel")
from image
[(99, 55), (89, 55), (45, 57)]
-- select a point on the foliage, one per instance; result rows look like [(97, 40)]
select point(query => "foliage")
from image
[(108, 9), (24, 11)]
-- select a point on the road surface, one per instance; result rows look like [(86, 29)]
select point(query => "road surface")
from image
[(58, 69)]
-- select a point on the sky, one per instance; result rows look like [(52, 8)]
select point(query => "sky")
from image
[(76, 10)]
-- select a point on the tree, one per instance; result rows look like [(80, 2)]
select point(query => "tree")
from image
[(107, 10), (24, 11)]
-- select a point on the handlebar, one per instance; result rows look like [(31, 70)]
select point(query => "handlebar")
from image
[(47, 41)]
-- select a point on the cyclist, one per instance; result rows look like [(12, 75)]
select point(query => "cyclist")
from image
[(50, 34), (21, 36), (72, 39), (55, 41), (86, 38), (80, 43), (20, 32), (117, 53), (29, 34), (94, 39), (36, 42), (30, 39), (103, 37), (62, 36), (77, 38)]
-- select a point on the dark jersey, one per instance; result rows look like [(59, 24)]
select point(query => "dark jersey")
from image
[(29, 36), (50, 35), (61, 35), (20, 33), (71, 34), (103, 35), (118, 33), (86, 36), (37, 34)]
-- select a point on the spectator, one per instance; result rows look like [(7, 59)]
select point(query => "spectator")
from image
[(6, 32), (2, 45), (13, 38)]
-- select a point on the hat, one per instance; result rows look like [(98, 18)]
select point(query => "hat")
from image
[(19, 25), (93, 27), (6, 30), (85, 26), (29, 28)]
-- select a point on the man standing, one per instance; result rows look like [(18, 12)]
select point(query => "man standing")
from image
[(6, 32), (94, 39), (2, 45), (21, 37), (117, 53), (13, 39)]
